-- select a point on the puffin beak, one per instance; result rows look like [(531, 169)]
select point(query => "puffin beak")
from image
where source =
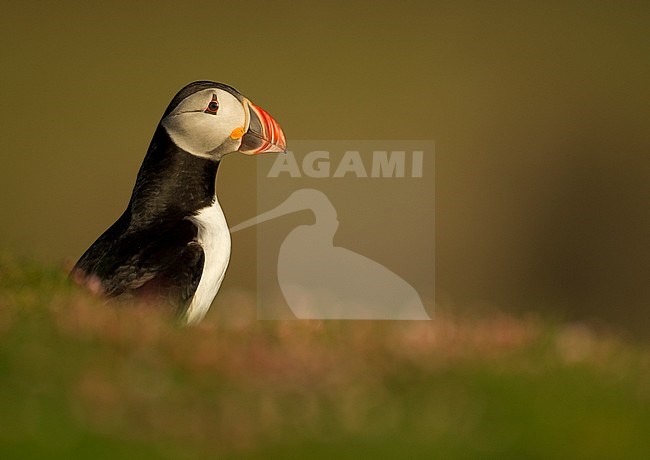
[(264, 134)]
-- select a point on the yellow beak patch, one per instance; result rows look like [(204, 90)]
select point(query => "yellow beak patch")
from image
[(237, 133)]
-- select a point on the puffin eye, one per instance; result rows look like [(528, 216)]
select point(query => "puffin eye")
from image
[(213, 106)]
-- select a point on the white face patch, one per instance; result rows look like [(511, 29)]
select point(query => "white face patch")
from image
[(205, 134)]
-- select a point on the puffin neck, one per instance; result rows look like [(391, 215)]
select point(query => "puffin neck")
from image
[(171, 183)]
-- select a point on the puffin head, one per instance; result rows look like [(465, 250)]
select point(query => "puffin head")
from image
[(209, 120)]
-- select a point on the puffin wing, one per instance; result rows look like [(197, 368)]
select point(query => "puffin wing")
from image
[(164, 260)]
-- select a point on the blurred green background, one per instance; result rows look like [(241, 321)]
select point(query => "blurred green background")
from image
[(540, 117), (539, 112)]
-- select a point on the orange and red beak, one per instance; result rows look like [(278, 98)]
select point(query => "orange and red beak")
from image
[(264, 134)]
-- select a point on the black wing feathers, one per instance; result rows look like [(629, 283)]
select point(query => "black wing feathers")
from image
[(164, 260)]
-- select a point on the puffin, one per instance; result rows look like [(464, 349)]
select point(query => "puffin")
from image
[(172, 243)]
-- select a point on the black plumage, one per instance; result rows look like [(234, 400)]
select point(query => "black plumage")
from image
[(152, 248)]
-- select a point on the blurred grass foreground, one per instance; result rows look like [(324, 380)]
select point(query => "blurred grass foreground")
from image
[(81, 380)]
